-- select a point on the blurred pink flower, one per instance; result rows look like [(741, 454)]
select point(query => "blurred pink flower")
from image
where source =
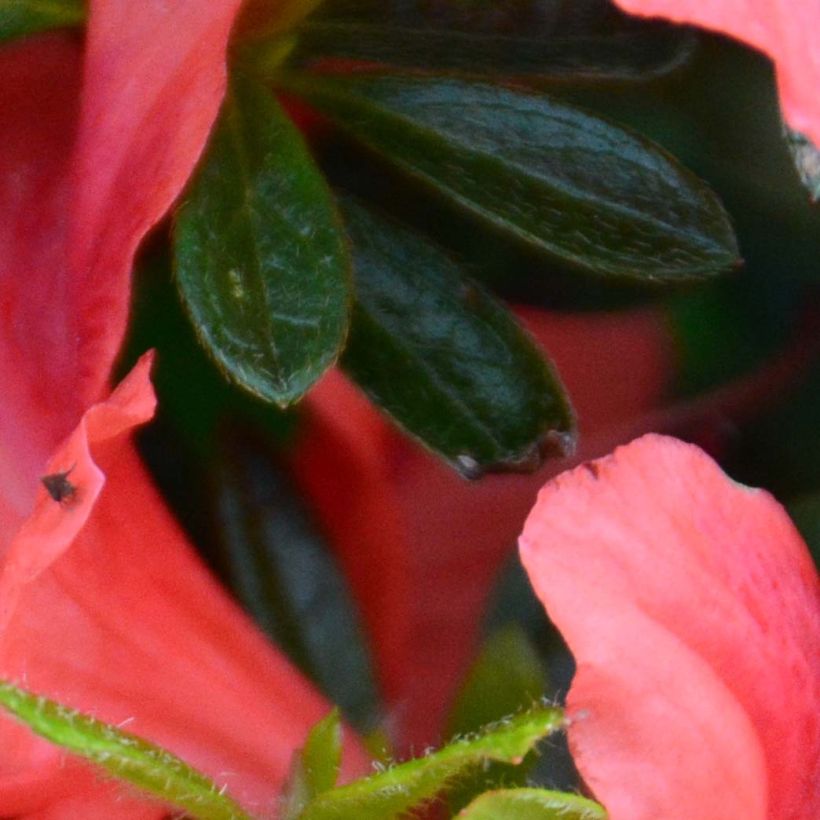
[(786, 30), (103, 605), (692, 608)]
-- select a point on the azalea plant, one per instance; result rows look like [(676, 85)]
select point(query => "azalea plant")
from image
[(383, 285)]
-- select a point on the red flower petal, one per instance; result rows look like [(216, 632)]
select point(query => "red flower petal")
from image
[(154, 80), (106, 609), (786, 30), (38, 96), (423, 547), (96, 146), (104, 605), (693, 610)]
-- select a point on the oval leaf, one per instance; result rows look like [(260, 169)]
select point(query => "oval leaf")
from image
[(282, 571), (19, 18), (623, 55), (532, 804), (448, 361), (394, 791), (260, 258), (568, 184), (123, 755)]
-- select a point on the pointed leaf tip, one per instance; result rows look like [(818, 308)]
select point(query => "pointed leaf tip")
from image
[(394, 791)]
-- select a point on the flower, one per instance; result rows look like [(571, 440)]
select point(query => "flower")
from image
[(692, 608), (422, 547), (783, 29), (103, 605)]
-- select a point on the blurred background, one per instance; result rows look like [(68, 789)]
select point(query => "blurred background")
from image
[(300, 511)]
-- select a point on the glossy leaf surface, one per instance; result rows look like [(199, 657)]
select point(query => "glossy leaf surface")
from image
[(445, 359), (123, 755), (19, 18), (261, 263), (633, 55), (532, 804), (565, 183), (394, 791), (282, 571)]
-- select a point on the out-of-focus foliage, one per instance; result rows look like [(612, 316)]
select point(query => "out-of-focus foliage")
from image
[(19, 18)]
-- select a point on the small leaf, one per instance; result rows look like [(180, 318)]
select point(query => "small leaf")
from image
[(806, 158), (564, 182), (532, 804), (19, 18), (394, 791), (447, 360), (507, 676), (260, 258), (123, 755), (283, 572), (622, 55), (315, 767), (322, 754)]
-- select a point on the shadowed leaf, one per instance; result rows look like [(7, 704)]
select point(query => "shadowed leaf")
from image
[(448, 361)]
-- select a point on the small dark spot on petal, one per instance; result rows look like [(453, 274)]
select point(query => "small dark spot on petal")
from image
[(59, 487)]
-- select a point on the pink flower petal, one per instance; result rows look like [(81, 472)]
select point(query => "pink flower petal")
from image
[(693, 610), (154, 77), (107, 609), (96, 146), (39, 84), (786, 30), (103, 605)]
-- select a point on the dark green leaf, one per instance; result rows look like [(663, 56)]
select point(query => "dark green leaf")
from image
[(315, 767), (282, 571), (624, 55), (447, 360), (532, 804), (392, 792), (123, 755), (507, 676), (260, 258), (806, 514), (19, 18), (806, 158), (566, 183)]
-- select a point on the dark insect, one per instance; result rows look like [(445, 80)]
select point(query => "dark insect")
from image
[(59, 487)]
